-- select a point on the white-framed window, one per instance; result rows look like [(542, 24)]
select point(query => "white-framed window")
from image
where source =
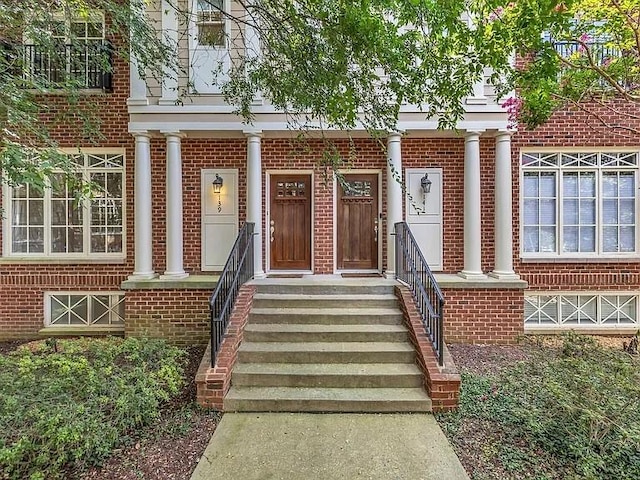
[(581, 310), (54, 223), (78, 53), (211, 23), (77, 309), (579, 204)]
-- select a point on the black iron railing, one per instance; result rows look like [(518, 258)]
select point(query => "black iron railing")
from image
[(237, 270), (600, 52), (412, 269), (86, 64)]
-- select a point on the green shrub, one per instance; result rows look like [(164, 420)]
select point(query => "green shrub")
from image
[(70, 402), (579, 405)]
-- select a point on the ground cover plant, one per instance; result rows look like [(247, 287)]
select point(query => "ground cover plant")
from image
[(66, 404), (565, 411)]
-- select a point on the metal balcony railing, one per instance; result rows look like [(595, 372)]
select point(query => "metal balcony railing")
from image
[(85, 64)]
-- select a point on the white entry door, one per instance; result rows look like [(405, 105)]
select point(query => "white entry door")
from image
[(219, 217), (423, 213)]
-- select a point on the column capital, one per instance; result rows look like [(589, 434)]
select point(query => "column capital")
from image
[(173, 133), (252, 134), (140, 133), (473, 133), (395, 135), (503, 135)]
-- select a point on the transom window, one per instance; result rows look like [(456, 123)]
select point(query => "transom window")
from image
[(579, 204), (210, 21), (54, 222), (575, 310)]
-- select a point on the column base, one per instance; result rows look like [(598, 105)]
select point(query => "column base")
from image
[(142, 276), (472, 275), (259, 275), (390, 275), (173, 275), (504, 275)]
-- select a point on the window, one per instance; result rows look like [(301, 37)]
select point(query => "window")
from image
[(579, 309), (211, 23), (73, 309), (54, 223), (579, 204), (77, 52)]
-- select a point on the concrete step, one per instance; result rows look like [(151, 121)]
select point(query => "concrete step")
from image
[(286, 399), (334, 375), (285, 332), (272, 300), (326, 352), (333, 316), (344, 287)]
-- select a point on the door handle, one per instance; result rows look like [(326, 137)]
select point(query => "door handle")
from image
[(272, 229), (375, 231)]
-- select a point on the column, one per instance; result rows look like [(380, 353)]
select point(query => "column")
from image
[(170, 38), (174, 243), (143, 268), (137, 85), (503, 255), (254, 197), (394, 197), (472, 209)]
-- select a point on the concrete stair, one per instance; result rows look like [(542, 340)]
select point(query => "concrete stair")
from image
[(335, 346)]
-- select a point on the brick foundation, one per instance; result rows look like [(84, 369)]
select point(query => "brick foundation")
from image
[(483, 315), (442, 383), (179, 316), (213, 383)]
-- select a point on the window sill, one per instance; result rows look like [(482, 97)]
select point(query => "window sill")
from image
[(631, 259), (62, 261), (80, 330)]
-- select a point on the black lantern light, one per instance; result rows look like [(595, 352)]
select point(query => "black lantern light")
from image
[(425, 183), (217, 188)]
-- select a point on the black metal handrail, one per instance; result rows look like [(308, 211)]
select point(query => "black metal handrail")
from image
[(237, 270), (87, 64), (413, 270)]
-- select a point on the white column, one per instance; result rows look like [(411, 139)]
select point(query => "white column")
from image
[(170, 38), (503, 243), (394, 197), (254, 197), (472, 208), (143, 268), (137, 85), (174, 243)]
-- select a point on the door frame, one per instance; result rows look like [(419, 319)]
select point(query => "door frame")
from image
[(381, 225), (267, 218)]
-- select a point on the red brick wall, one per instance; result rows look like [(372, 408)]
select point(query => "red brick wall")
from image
[(179, 316), (22, 286), (483, 315), (573, 128)]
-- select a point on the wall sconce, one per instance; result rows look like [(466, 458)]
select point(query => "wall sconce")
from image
[(217, 188), (425, 183)]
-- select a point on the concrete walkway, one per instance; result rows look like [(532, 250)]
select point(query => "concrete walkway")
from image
[(299, 446)]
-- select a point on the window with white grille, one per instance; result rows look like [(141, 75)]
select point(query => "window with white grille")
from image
[(57, 223), (211, 23), (78, 309), (579, 204), (581, 310)]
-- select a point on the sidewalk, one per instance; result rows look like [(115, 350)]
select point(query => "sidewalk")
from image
[(298, 446)]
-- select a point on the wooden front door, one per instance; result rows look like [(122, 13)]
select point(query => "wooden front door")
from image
[(358, 222), (289, 229)]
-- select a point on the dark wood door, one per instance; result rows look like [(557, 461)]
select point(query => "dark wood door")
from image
[(289, 229), (358, 222)]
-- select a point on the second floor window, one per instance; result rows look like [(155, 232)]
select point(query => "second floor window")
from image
[(210, 22), (76, 52)]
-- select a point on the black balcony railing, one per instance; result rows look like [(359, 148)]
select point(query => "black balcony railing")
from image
[(600, 52), (85, 64), (412, 269), (237, 270)]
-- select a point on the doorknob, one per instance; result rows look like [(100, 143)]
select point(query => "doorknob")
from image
[(272, 229)]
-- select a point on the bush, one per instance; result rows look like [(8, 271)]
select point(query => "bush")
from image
[(579, 406), (71, 402)]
